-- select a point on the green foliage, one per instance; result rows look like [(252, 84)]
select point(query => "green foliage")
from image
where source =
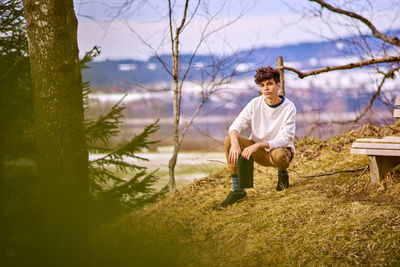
[(105, 126), (16, 109), (107, 171), (116, 182), (89, 57), (112, 193), (12, 28), (18, 181)]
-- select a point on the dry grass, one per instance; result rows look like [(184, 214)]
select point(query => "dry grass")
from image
[(317, 222)]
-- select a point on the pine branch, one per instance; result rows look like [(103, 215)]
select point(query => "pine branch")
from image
[(85, 94), (137, 143), (121, 165), (106, 185), (89, 57), (102, 175), (105, 126), (98, 150), (129, 189)]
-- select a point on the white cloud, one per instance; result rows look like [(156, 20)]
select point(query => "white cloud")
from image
[(338, 60), (118, 40), (127, 67), (313, 61), (151, 66), (243, 67), (339, 45)]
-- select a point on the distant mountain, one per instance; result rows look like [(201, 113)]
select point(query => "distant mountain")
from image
[(122, 75)]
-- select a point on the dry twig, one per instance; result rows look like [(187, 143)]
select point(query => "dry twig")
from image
[(328, 173), (355, 181)]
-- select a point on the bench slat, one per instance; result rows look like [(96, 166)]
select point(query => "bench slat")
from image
[(375, 152), (383, 154), (396, 113), (394, 138), (387, 139), (376, 146)]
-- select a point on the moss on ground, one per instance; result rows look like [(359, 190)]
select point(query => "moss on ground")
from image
[(335, 220)]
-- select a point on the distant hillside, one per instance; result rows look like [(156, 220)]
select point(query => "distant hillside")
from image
[(332, 96), (128, 73)]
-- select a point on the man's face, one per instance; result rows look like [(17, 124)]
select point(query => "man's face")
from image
[(269, 89)]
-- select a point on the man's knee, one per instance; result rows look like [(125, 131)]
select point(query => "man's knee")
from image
[(227, 141), (281, 158)]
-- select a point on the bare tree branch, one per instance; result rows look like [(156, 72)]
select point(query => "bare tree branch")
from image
[(354, 65), (192, 119), (206, 95), (389, 74), (178, 30), (204, 36), (178, 81), (391, 40), (207, 135), (162, 62)]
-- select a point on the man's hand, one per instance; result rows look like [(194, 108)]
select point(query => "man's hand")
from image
[(234, 153), (250, 150)]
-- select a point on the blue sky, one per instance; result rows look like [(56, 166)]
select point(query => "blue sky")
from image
[(142, 28)]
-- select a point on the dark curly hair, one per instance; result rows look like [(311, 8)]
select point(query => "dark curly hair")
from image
[(265, 73)]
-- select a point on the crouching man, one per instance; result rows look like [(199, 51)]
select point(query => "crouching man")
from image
[(271, 119)]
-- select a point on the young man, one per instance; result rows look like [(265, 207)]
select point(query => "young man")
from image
[(271, 119)]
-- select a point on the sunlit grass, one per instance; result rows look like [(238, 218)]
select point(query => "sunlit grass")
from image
[(316, 222)]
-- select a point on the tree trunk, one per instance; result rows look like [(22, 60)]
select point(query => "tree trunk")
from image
[(177, 106), (3, 224), (279, 65), (171, 167), (59, 132), (174, 157)]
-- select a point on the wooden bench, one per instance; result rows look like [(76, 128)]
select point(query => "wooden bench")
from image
[(383, 154)]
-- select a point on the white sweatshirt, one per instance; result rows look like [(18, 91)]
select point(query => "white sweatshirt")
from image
[(273, 124)]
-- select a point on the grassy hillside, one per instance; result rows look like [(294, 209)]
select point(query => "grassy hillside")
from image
[(337, 220)]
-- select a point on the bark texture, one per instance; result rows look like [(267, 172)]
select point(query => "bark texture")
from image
[(177, 91), (60, 136)]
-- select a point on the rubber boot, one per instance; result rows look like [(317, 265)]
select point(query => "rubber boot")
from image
[(283, 180)]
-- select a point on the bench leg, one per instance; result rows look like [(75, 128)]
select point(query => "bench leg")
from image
[(379, 166)]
